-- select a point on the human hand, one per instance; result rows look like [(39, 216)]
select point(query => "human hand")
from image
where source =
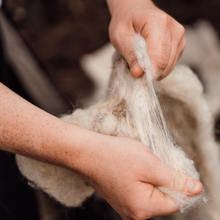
[(125, 172), (164, 35)]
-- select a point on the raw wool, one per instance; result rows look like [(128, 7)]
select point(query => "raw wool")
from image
[(125, 111), (62, 184), (202, 52), (98, 67)]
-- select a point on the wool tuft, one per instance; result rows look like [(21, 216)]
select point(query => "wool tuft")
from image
[(130, 108)]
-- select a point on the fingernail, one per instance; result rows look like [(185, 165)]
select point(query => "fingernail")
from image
[(193, 187)]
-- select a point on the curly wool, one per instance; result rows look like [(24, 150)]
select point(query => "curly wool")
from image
[(130, 108)]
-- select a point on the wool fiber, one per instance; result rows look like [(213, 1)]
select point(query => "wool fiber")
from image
[(130, 108)]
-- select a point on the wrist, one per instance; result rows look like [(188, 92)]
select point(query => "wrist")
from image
[(82, 148), (115, 5)]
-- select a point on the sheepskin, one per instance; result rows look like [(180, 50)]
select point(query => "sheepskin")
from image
[(131, 108), (202, 53)]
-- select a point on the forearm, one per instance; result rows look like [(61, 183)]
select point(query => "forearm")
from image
[(28, 130)]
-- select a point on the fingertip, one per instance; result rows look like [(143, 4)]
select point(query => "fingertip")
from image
[(136, 71), (199, 188), (194, 187)]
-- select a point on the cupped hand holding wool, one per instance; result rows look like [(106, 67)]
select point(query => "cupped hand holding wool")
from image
[(125, 172)]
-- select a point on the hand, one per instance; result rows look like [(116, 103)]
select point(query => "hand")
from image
[(164, 35), (125, 172)]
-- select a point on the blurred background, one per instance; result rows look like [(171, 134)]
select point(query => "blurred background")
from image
[(53, 36)]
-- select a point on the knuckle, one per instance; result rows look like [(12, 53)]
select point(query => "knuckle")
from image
[(162, 63), (137, 212), (116, 35), (181, 29), (184, 42), (165, 20), (178, 182), (130, 57), (138, 215)]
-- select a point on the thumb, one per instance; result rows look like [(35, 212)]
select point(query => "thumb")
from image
[(127, 51), (185, 184), (123, 43), (160, 203), (131, 59), (165, 176), (136, 70)]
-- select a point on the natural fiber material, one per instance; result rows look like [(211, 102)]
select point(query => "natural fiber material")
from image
[(202, 52), (130, 108)]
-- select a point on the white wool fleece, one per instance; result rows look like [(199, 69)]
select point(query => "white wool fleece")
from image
[(130, 108)]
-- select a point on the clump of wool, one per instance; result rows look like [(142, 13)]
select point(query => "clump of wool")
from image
[(130, 108)]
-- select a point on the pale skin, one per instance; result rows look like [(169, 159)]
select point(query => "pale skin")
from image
[(164, 35), (122, 170)]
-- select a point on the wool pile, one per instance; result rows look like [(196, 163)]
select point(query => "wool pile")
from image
[(202, 53), (131, 108)]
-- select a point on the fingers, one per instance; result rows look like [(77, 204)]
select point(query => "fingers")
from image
[(152, 202), (178, 44), (176, 58), (159, 48), (160, 204), (165, 43)]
